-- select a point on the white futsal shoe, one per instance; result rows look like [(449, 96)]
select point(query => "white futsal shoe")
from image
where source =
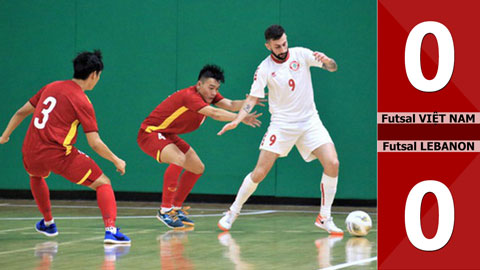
[(225, 223), (328, 225)]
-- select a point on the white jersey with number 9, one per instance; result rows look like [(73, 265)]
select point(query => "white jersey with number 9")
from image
[(290, 91)]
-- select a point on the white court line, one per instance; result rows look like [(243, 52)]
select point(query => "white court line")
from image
[(135, 217), (118, 207), (69, 242), (156, 208), (307, 211), (345, 265), (36, 233), (68, 218), (18, 229)]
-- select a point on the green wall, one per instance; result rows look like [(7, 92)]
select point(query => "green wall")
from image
[(152, 48)]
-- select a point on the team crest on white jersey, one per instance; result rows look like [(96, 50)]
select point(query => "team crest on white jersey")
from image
[(294, 65)]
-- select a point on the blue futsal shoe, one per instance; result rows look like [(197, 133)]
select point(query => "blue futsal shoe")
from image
[(170, 219), (182, 215), (118, 238), (50, 230)]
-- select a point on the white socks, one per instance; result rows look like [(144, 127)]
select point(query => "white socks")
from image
[(48, 223), (164, 210), (328, 187), (111, 229), (246, 190)]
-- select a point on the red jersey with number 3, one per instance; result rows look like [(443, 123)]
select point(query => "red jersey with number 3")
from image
[(178, 113), (59, 108)]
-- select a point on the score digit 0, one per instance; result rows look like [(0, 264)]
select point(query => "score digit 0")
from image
[(446, 56), (446, 215), (446, 209)]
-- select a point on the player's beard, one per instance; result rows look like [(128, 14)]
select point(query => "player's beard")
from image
[(281, 56)]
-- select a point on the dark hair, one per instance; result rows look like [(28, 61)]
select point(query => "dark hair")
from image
[(211, 71), (87, 62), (274, 32)]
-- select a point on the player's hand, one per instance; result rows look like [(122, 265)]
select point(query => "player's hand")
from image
[(120, 165), (321, 57), (260, 101), (4, 140), (251, 119), (227, 127)]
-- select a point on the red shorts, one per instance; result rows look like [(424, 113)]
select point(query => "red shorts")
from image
[(77, 167), (153, 143)]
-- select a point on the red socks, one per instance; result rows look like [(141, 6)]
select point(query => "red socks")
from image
[(42, 196), (107, 204), (175, 192), (170, 181), (186, 184), (105, 198)]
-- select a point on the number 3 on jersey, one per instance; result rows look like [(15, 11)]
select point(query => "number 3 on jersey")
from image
[(51, 102), (291, 83)]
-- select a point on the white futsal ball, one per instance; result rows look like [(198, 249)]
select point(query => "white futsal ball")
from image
[(358, 223)]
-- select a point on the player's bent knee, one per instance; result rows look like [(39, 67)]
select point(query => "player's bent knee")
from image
[(258, 175), (335, 164), (201, 168), (331, 167), (102, 180), (196, 169)]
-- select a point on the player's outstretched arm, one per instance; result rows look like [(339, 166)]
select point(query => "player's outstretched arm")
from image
[(225, 116), (244, 112), (16, 119), (236, 105), (101, 148), (217, 113), (328, 63), (230, 105)]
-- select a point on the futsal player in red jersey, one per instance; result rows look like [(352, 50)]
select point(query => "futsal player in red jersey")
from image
[(183, 112), (58, 108)]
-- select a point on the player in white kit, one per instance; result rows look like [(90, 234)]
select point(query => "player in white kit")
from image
[(294, 121)]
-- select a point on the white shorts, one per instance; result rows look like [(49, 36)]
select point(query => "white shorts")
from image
[(307, 136)]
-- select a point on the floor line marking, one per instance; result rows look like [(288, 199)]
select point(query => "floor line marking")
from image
[(18, 229), (156, 208), (36, 233), (133, 217), (118, 207), (70, 242), (345, 265)]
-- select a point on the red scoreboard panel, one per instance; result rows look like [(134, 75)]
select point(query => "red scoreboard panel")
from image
[(428, 134)]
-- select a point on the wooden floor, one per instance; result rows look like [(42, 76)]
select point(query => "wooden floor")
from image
[(263, 237)]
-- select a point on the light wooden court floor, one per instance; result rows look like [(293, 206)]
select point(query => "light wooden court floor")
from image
[(263, 237)]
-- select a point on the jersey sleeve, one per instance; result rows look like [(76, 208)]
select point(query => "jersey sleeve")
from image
[(86, 116), (307, 54), (194, 102), (217, 98), (34, 100), (259, 82)]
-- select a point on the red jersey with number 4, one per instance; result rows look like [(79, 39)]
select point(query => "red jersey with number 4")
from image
[(178, 113), (59, 108)]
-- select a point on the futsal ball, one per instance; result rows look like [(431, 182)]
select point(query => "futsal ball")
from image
[(358, 223)]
